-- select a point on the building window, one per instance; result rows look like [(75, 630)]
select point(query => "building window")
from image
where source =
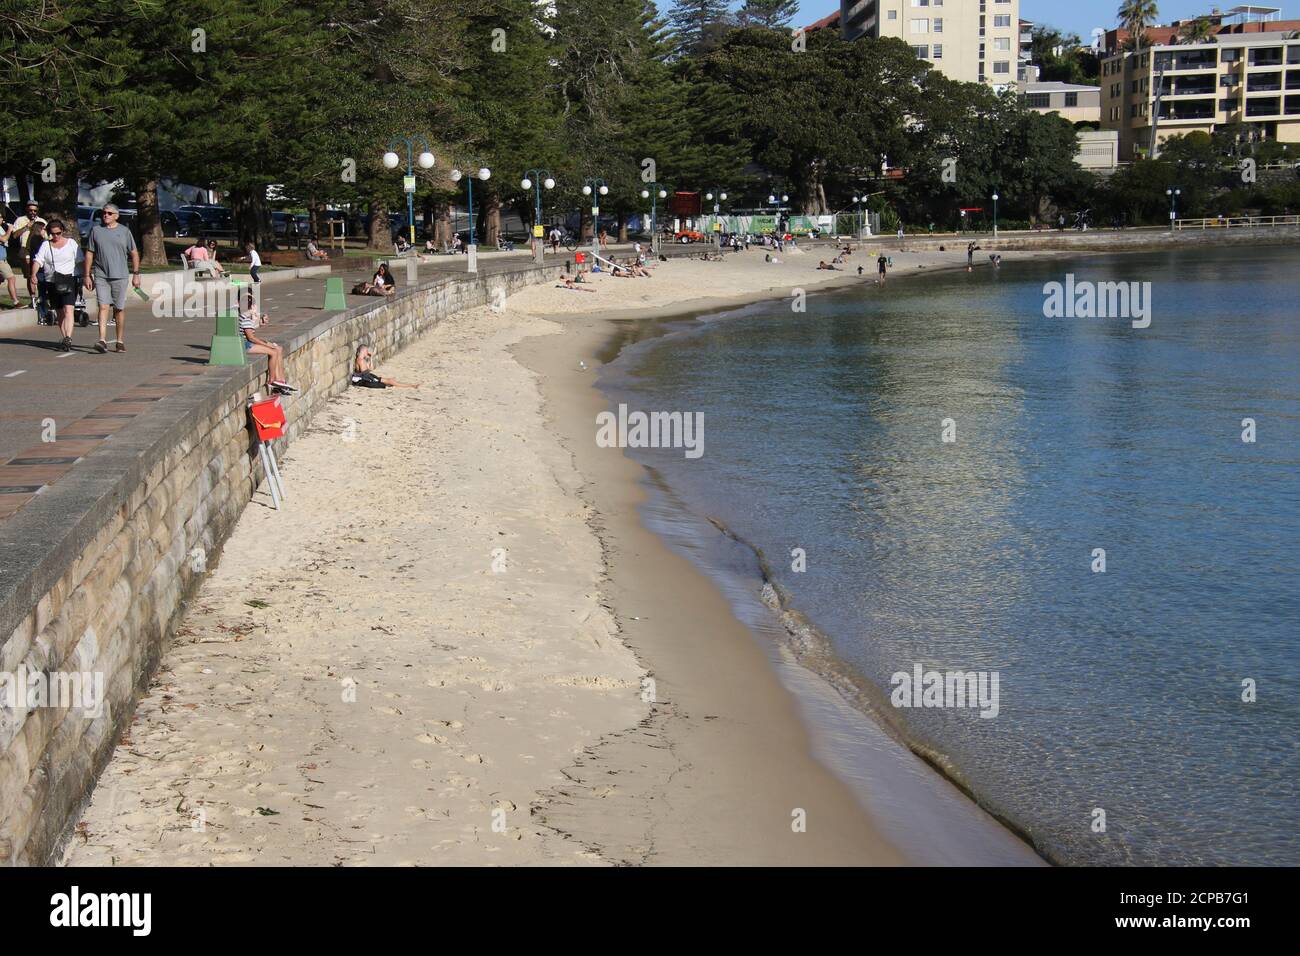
[(938, 51), (1001, 20), (1001, 66), (921, 26), (922, 52), (920, 3), (1071, 99), (938, 24), (1038, 101), (1133, 110), (1002, 43), (893, 15)]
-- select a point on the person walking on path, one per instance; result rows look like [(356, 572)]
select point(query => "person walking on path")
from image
[(112, 257), (882, 263), (6, 270), (23, 230), (555, 240), (58, 256)]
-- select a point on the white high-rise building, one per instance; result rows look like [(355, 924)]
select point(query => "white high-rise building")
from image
[(978, 41)]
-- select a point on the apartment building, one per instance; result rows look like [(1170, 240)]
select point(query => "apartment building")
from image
[(978, 41), (1249, 78), (1071, 101)]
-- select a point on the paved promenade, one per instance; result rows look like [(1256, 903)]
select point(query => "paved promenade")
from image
[(88, 396)]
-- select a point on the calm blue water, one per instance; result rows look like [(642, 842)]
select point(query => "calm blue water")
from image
[(1119, 690)]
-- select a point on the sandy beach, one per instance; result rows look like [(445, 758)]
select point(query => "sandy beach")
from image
[(457, 645)]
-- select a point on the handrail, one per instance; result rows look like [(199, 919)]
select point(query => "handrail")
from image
[(1237, 222)]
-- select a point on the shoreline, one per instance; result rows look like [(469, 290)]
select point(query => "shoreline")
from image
[(820, 699)]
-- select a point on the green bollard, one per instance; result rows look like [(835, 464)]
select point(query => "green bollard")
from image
[(334, 300), (227, 343)]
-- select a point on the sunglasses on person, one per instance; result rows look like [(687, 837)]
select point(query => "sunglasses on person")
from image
[(109, 212), (55, 233)]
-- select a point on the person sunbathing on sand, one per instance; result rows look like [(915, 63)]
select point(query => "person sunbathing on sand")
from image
[(571, 282), (363, 372)]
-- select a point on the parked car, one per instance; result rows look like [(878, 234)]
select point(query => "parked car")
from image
[(216, 219), (689, 235), (288, 225), (180, 223)]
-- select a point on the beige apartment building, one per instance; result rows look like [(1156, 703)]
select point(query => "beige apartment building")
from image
[(1247, 78), (1078, 104), (978, 41)]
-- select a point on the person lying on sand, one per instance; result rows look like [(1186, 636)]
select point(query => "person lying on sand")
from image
[(571, 282), (363, 372), (827, 266)]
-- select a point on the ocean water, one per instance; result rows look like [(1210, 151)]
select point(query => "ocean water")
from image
[(1121, 734)]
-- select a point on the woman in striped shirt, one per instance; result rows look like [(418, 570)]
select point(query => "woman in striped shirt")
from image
[(250, 319)]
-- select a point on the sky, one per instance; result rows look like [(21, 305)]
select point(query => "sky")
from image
[(1078, 16)]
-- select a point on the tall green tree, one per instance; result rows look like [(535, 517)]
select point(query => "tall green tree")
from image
[(772, 14), (699, 25)]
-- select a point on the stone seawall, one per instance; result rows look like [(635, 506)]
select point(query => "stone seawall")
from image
[(94, 571)]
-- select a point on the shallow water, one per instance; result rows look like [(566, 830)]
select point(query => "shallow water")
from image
[(1118, 691)]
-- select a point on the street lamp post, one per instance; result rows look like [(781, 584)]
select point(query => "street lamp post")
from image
[(595, 188), (471, 248), (772, 201), (1173, 193), (857, 217), (425, 161), (538, 178), (717, 196), (995, 215), (655, 191)]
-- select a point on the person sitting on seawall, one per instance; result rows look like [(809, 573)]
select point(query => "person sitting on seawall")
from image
[(383, 283), (363, 372), (250, 319)]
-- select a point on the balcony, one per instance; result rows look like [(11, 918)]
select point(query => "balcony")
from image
[(1187, 111), (1198, 60), (1264, 83), (1188, 86), (1264, 106), (1271, 56)]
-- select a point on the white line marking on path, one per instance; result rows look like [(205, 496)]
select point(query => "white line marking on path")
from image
[(189, 320), (65, 355), (16, 374), (155, 330)]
